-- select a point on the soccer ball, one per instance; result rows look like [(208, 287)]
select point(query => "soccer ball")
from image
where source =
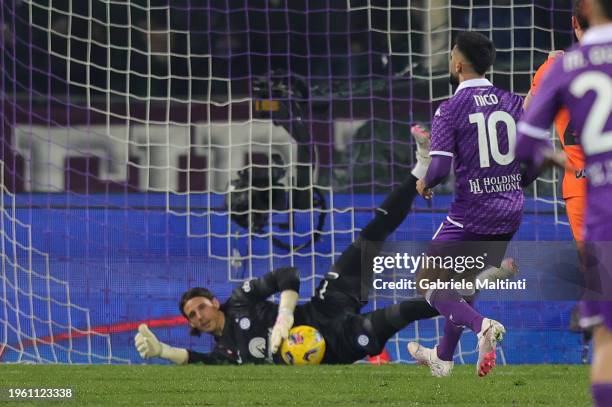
[(304, 346)]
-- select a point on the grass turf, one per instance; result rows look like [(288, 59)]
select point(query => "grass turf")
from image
[(366, 385)]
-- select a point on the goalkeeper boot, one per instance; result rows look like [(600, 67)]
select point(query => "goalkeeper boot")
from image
[(429, 357), (491, 333)]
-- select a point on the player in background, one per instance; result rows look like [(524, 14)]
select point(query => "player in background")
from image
[(476, 128), (574, 182), (581, 80), (247, 328)]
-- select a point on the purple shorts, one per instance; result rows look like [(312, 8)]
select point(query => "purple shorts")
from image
[(451, 231)]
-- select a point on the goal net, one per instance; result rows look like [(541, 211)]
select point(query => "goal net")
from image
[(150, 146)]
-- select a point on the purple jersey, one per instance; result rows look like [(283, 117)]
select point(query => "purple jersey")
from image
[(477, 127), (581, 81)]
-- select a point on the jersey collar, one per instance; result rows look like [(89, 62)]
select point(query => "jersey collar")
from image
[(598, 34), (473, 83)]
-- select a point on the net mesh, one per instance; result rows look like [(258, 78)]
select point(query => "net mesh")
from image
[(40, 322), (152, 145)]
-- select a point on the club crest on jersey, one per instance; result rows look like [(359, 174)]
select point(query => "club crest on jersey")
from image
[(246, 286), (244, 323), (363, 340), (257, 347)]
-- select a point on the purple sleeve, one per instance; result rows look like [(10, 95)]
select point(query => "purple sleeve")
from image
[(438, 170), (442, 132), (533, 130)]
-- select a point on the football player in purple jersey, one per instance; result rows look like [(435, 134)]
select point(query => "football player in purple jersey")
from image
[(476, 130), (581, 80)]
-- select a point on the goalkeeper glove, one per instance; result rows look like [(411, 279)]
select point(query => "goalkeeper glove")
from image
[(284, 320), (149, 346)]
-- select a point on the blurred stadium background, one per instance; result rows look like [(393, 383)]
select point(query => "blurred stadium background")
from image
[(150, 146)]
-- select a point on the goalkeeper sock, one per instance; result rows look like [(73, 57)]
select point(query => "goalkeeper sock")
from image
[(388, 321), (602, 394)]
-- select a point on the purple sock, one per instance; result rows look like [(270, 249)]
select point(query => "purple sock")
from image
[(602, 394), (450, 339), (455, 309)]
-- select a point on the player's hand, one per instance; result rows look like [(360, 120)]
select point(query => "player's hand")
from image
[(147, 344), (426, 193), (280, 331)]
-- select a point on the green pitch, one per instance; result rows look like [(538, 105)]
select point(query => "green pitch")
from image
[(363, 385)]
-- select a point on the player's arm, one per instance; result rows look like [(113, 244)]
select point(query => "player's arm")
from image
[(148, 346), (539, 77), (276, 281), (528, 174), (533, 146), (219, 356), (206, 358), (442, 151), (439, 169), (285, 280)]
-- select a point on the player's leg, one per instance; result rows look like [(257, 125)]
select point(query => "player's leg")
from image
[(601, 371), (361, 335), (598, 316), (596, 313), (575, 208), (489, 331), (346, 277), (388, 217), (440, 358), (460, 313), (386, 322)]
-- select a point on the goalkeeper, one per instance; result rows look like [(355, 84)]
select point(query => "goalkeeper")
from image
[(248, 328)]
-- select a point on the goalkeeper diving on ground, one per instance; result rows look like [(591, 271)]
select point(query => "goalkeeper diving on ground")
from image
[(248, 328)]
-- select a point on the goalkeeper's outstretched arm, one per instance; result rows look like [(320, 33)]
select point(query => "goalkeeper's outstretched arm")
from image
[(149, 346)]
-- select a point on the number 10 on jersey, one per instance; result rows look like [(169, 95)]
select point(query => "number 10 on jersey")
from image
[(488, 143)]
